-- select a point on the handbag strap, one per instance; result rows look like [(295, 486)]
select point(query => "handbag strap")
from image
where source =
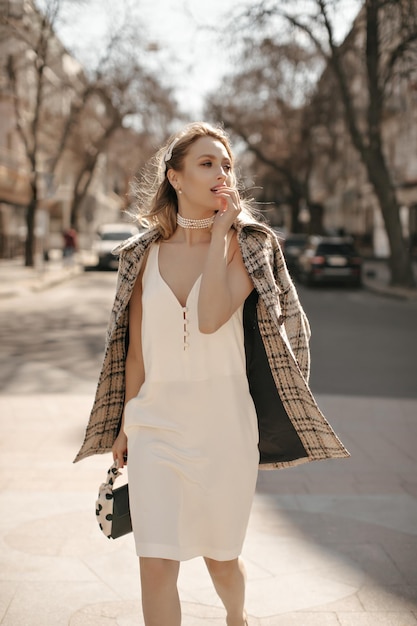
[(112, 473)]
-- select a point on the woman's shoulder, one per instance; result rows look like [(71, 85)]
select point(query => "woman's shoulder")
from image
[(142, 240), (256, 231)]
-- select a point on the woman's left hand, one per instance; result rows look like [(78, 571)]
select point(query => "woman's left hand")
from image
[(230, 208)]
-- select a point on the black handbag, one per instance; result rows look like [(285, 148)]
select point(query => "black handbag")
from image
[(112, 506)]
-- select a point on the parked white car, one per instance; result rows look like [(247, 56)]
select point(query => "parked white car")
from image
[(108, 237)]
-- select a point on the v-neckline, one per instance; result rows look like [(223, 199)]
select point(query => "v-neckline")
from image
[(183, 306)]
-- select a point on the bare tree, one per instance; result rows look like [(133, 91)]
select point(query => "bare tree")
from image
[(130, 93), (79, 111), (31, 58), (389, 54), (264, 105), (129, 96)]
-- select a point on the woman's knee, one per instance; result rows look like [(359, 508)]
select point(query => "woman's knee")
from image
[(158, 572), (222, 569)]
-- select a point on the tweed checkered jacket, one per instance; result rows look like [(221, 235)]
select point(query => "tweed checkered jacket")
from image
[(285, 334)]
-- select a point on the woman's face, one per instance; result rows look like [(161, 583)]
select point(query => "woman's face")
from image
[(206, 167)]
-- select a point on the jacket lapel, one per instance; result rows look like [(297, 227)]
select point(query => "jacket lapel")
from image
[(129, 268)]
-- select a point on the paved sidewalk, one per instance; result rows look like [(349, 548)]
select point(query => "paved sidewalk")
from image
[(331, 543), (16, 279), (376, 278)]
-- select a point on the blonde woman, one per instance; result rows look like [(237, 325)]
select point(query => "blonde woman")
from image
[(205, 374)]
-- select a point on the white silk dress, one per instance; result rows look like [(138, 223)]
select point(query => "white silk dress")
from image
[(192, 431)]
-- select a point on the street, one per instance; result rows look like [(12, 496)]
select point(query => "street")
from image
[(329, 544), (362, 344)]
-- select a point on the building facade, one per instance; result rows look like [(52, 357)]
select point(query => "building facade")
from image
[(338, 180), (60, 148)]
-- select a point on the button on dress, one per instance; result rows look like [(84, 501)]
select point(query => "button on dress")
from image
[(192, 431)]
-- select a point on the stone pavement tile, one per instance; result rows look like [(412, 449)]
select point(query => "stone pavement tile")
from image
[(194, 584), (348, 604), (300, 619), (377, 618), (128, 613), (301, 591), (388, 423), (294, 574), (299, 480), (391, 598), (375, 562), (288, 482), (409, 483), (404, 554), (52, 604), (7, 592), (52, 524), (371, 482), (347, 518), (394, 511), (25, 568), (278, 523), (118, 569), (312, 553)]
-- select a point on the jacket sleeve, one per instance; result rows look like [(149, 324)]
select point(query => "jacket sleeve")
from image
[(296, 323)]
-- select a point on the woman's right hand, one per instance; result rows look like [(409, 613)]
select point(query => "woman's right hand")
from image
[(119, 449)]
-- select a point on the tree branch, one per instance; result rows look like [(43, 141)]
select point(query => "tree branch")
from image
[(396, 55)]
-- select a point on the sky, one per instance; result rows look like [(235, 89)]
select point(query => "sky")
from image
[(185, 31), (191, 51)]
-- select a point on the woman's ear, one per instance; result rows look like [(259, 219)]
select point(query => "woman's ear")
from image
[(172, 178)]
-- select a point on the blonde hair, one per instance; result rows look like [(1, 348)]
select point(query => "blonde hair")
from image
[(156, 199)]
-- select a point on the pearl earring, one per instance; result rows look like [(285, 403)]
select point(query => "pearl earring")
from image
[(179, 190)]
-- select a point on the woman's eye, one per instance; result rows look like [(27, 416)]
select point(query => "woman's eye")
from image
[(207, 163), (227, 167)]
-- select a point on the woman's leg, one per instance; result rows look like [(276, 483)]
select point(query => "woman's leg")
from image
[(160, 600), (229, 580)]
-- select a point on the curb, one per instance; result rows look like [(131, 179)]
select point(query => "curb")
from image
[(398, 293), (56, 280)]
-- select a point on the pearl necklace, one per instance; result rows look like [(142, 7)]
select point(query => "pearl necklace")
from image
[(187, 223)]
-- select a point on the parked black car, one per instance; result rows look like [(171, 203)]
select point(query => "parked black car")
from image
[(330, 260)]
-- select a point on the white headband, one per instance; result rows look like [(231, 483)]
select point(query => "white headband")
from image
[(168, 153)]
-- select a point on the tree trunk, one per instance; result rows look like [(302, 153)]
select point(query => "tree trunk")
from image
[(399, 261), (373, 156), (315, 226), (369, 144), (295, 211), (75, 208), (81, 187), (30, 226), (86, 175)]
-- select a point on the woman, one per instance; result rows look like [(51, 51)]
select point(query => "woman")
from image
[(214, 379)]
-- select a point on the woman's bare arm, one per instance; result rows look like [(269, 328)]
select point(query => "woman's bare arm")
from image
[(225, 284), (134, 368)]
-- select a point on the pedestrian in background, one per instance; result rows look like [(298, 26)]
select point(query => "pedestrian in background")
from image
[(70, 245), (215, 377)]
